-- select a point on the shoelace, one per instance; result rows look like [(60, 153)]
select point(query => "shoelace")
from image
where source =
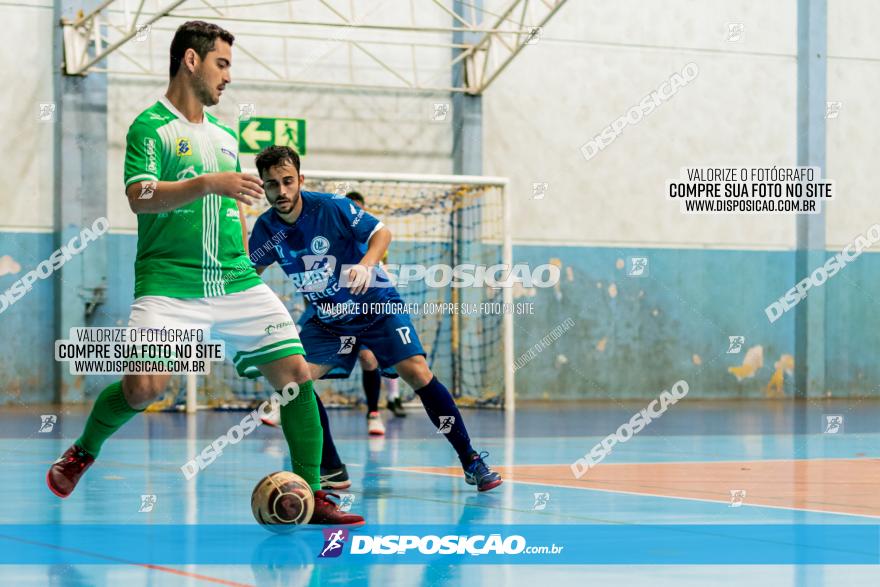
[(479, 466)]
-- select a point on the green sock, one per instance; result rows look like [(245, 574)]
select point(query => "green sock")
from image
[(305, 437), (109, 413)]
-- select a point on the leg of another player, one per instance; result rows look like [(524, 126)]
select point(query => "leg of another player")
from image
[(444, 414), (372, 381), (334, 475), (392, 394), (116, 405), (301, 424)]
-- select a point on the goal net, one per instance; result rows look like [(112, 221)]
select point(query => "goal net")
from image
[(436, 222)]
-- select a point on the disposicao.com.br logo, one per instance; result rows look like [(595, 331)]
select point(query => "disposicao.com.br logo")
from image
[(430, 544)]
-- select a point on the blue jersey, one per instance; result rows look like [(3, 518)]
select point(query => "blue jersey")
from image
[(330, 232)]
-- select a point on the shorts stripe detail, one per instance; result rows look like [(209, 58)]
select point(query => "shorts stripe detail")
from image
[(282, 344), (247, 366)]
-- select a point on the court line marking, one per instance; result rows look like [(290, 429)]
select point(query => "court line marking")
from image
[(620, 491), (127, 562), (705, 462)]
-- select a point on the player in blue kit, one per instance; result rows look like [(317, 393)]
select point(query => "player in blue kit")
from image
[(371, 377), (312, 236)]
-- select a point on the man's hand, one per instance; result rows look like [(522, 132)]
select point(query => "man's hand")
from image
[(244, 187), (359, 279)]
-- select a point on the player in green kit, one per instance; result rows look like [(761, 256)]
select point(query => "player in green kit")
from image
[(183, 180)]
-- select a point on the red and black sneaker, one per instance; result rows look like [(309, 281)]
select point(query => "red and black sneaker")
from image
[(64, 473), (327, 512)]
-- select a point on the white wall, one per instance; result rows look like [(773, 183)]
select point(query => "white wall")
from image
[(594, 62), (853, 142), (26, 143)]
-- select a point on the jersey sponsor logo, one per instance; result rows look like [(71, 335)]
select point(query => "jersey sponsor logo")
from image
[(186, 173), (320, 245), (232, 213), (228, 153), (353, 209), (150, 151), (346, 345), (184, 147), (357, 218), (178, 211), (317, 276), (273, 327)]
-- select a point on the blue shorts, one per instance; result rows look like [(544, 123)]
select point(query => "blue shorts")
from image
[(392, 338)]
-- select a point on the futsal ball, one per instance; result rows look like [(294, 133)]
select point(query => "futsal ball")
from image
[(281, 501)]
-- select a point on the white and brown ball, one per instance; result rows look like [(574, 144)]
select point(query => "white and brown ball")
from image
[(281, 501)]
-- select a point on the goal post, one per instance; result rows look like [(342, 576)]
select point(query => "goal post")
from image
[(435, 220)]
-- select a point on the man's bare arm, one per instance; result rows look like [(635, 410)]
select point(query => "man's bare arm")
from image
[(146, 197), (359, 275), (376, 247)]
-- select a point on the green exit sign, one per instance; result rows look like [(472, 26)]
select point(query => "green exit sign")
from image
[(258, 132)]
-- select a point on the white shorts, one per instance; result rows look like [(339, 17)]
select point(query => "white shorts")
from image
[(254, 325)]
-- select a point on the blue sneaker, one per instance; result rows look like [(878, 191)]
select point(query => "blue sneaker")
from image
[(478, 473)]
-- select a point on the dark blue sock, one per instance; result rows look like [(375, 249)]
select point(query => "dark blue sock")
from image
[(329, 457), (439, 405), (372, 386)]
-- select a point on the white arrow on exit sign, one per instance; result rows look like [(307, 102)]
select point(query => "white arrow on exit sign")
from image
[(252, 135)]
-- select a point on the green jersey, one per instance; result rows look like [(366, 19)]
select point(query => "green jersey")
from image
[(196, 250)]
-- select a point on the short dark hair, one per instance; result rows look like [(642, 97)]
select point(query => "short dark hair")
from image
[(276, 155), (356, 196), (198, 35)]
